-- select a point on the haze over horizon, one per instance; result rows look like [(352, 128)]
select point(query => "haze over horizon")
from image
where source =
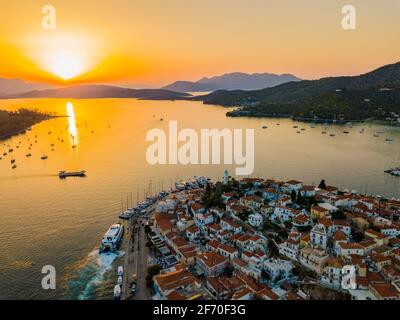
[(156, 43)]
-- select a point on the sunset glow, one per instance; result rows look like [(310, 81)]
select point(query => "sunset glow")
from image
[(65, 65), (155, 42)]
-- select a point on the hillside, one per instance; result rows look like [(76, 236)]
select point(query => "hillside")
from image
[(375, 94), (100, 91), (16, 86), (291, 92), (232, 81)]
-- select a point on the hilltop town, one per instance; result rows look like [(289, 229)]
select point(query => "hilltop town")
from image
[(274, 240)]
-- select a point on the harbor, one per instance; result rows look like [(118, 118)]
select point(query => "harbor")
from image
[(131, 276)]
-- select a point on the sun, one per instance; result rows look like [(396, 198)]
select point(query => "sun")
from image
[(66, 65)]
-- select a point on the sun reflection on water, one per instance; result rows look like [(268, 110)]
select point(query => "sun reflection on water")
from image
[(72, 129)]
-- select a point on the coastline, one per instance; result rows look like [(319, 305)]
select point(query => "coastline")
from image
[(25, 127)]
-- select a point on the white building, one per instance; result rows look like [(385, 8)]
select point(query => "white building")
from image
[(256, 220), (319, 236), (278, 269)]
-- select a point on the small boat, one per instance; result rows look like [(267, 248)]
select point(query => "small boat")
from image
[(10, 150), (332, 134), (303, 129), (74, 146), (4, 154), (180, 185), (44, 157), (297, 131), (120, 271), (112, 238), (346, 132), (12, 160), (278, 124), (14, 166), (264, 127), (161, 119), (117, 292), (376, 135), (119, 281), (295, 127), (65, 174), (323, 132), (29, 155), (389, 139)]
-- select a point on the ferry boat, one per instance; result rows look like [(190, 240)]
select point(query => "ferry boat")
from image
[(65, 174), (112, 238)]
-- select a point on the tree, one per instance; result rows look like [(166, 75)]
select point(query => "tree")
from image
[(322, 185), (293, 196), (151, 272)]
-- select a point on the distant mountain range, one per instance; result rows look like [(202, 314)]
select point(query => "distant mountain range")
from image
[(232, 81), (99, 91), (388, 75), (16, 86), (374, 94)]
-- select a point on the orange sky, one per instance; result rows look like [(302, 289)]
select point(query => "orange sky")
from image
[(155, 42)]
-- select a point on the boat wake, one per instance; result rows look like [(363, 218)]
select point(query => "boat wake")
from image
[(91, 274)]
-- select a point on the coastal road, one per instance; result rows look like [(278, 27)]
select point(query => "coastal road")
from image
[(141, 254), (128, 261)]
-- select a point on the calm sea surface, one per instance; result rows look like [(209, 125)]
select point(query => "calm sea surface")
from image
[(48, 221)]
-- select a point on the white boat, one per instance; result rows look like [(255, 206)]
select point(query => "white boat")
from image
[(120, 271), (180, 185), (112, 238), (117, 292)]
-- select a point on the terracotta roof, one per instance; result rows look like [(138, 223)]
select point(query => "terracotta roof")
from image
[(175, 295), (266, 292), (241, 293), (211, 259), (192, 229), (385, 290), (175, 279), (320, 209)]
